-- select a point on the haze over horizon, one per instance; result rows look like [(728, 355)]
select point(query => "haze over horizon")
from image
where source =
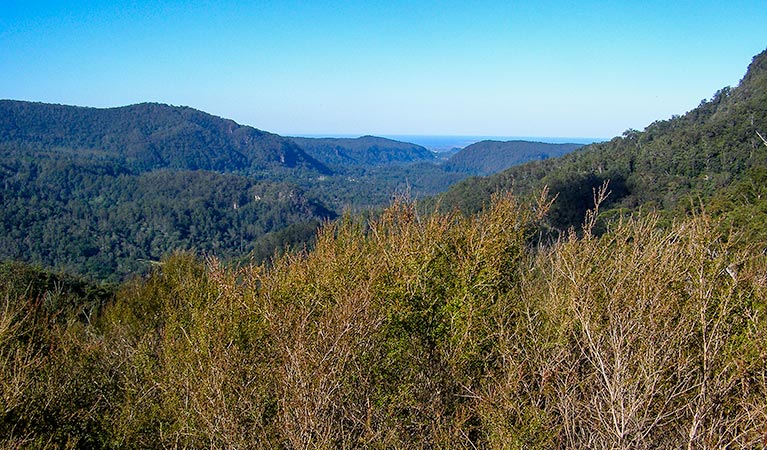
[(391, 68)]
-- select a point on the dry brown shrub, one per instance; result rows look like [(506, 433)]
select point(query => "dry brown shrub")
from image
[(655, 331)]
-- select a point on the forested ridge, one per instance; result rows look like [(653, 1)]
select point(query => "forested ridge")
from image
[(669, 166), (104, 192), (639, 323), (148, 136), (489, 157), (362, 151), (127, 185)]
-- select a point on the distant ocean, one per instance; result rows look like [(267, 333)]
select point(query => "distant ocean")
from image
[(440, 143)]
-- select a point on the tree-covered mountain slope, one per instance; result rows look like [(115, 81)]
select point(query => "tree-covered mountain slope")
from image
[(102, 191), (488, 157), (364, 151), (668, 165), (95, 219), (148, 136)]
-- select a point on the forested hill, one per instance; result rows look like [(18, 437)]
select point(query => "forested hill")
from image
[(488, 157), (92, 219), (102, 191), (363, 151), (148, 136), (704, 155)]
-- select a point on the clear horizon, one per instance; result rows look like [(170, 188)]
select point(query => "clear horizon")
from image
[(396, 68)]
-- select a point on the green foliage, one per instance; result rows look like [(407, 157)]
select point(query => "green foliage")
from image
[(489, 157), (365, 151), (128, 185), (671, 163), (147, 137), (743, 206), (63, 298), (114, 220), (362, 188), (411, 330)]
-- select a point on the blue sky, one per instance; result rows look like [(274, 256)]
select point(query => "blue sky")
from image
[(548, 68)]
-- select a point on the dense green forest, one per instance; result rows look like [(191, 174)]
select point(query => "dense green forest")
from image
[(489, 157), (671, 166), (364, 151), (641, 325), (105, 192), (94, 219), (149, 136)]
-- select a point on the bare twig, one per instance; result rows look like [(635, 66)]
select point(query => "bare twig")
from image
[(761, 137)]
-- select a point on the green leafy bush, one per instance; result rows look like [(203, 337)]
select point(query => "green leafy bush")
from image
[(411, 330)]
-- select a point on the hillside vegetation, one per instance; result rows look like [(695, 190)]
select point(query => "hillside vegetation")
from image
[(100, 220), (641, 325), (127, 185), (489, 157), (671, 166), (102, 192), (147, 136), (365, 151), (406, 331)]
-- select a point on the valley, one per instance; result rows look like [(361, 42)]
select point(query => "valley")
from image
[(172, 279), (128, 185)]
